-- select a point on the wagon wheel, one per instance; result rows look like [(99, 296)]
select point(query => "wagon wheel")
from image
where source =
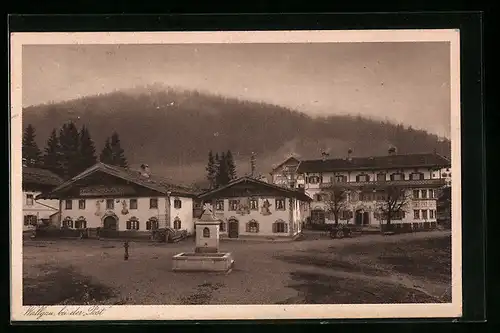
[(340, 233)]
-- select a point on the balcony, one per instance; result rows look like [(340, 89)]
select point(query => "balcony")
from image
[(403, 183)]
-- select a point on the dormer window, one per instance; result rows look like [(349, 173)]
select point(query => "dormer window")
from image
[(362, 178), (397, 176), (417, 176)]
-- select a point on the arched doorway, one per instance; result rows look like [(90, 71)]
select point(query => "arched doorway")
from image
[(362, 217), (110, 223), (233, 228)]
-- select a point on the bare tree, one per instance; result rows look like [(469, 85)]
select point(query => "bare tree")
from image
[(335, 199), (391, 201)]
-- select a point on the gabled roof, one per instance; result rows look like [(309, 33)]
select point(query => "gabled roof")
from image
[(286, 192), (43, 177), (153, 182), (374, 163), (291, 158)]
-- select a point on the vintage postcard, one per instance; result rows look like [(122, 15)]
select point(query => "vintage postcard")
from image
[(235, 175)]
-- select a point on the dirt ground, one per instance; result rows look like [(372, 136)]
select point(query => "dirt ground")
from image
[(405, 268)]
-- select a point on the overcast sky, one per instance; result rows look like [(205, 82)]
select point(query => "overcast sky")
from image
[(404, 82)]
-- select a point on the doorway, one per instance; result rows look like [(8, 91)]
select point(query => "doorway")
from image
[(233, 228), (110, 223), (362, 218)]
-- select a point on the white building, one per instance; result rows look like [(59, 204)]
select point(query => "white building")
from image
[(367, 179), (250, 207), (35, 211), (119, 199)]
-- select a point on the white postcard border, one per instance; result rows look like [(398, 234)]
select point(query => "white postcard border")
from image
[(227, 312)]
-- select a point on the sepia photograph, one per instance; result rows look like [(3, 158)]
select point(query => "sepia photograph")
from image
[(235, 175)]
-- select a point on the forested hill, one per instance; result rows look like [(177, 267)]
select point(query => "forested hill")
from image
[(173, 130)]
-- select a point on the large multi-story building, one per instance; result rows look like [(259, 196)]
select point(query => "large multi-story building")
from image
[(366, 182)]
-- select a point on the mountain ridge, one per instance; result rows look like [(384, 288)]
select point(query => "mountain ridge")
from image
[(172, 129)]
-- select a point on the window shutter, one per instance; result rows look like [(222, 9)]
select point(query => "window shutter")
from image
[(128, 225), (274, 227), (286, 227), (137, 225), (148, 225)]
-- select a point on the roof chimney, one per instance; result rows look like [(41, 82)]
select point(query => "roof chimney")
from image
[(324, 155), (145, 170), (349, 154), (392, 151)]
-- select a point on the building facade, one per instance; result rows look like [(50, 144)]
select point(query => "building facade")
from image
[(366, 184), (37, 211), (285, 173), (114, 198), (250, 207)]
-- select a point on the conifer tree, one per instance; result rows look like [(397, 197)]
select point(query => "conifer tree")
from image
[(30, 151), (119, 158), (52, 157), (106, 155), (87, 149), (231, 167), (69, 140), (222, 177), (211, 169)]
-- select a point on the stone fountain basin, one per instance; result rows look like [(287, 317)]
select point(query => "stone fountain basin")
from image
[(202, 262)]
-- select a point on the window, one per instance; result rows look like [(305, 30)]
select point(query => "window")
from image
[(416, 214), (431, 214), (381, 177), (362, 178), (81, 223), (416, 176), (253, 226), (219, 205), (254, 203), (424, 214), (397, 176), (233, 205), (206, 232), (110, 204), (424, 194), (346, 215), (280, 204), (152, 224), (431, 194), (133, 223), (313, 180), (30, 220), (177, 203), (133, 203), (153, 203), (29, 199), (340, 179), (177, 223), (222, 227), (398, 215), (68, 204), (318, 197), (280, 227), (416, 194), (81, 204), (67, 222)]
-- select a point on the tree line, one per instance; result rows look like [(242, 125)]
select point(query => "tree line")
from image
[(221, 169), (69, 151)]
